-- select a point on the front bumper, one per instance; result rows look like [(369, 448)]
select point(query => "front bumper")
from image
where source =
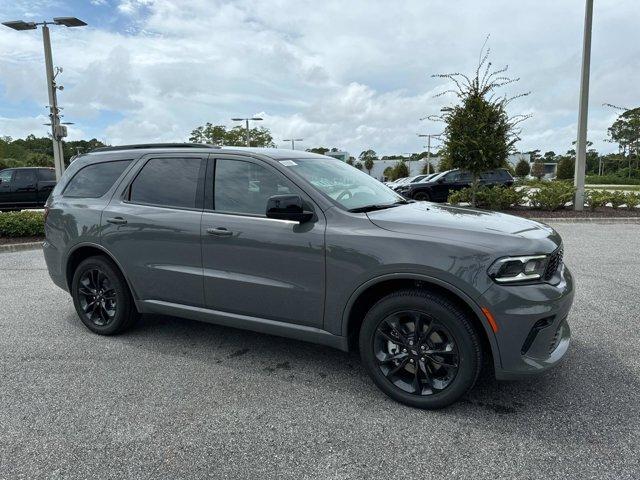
[(533, 334)]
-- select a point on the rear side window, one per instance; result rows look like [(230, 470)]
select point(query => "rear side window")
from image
[(168, 182), (22, 178), (93, 181), (46, 175)]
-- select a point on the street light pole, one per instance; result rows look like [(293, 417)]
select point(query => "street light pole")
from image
[(583, 110), (58, 154), (58, 131), (293, 141), (246, 120), (429, 135)]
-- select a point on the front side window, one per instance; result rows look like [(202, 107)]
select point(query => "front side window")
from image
[(93, 181), (167, 182), (244, 187), (342, 183), (5, 176)]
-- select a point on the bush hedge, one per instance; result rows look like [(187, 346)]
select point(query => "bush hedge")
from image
[(611, 180), (552, 196), (22, 224)]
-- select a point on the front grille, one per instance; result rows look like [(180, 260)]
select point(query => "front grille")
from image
[(555, 260)]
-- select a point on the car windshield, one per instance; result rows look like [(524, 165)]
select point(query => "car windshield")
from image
[(344, 184)]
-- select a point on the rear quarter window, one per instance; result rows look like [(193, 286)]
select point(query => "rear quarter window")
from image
[(46, 175), (94, 180)]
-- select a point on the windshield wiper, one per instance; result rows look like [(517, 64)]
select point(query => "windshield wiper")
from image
[(380, 206)]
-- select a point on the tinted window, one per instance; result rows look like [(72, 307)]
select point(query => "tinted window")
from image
[(5, 175), (93, 181), (24, 177), (47, 174), (169, 182), (244, 187), (342, 183)]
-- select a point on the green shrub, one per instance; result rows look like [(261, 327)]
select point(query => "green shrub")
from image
[(617, 198), (523, 168), (566, 168), (597, 198), (552, 196), (22, 224), (632, 200), (460, 196), (611, 180), (492, 198)]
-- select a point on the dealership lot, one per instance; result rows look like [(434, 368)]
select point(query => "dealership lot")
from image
[(179, 399)]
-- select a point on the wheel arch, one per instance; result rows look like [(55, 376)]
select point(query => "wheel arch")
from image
[(371, 291), (85, 250)]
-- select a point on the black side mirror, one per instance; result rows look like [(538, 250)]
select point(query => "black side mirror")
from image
[(287, 207)]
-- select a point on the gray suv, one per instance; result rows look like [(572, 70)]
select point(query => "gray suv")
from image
[(305, 246)]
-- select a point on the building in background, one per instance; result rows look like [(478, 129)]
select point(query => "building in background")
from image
[(340, 155)]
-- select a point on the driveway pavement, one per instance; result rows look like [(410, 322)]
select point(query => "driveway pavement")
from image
[(180, 399)]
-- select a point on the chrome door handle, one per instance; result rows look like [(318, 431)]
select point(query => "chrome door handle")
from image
[(219, 232), (117, 220)]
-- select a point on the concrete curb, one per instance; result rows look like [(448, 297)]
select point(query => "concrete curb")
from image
[(632, 220), (19, 247)]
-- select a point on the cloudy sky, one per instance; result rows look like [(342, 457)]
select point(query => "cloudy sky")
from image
[(353, 74)]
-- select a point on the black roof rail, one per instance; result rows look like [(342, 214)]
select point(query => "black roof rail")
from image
[(141, 146)]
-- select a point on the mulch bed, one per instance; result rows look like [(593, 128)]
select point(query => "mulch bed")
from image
[(12, 240), (603, 212)]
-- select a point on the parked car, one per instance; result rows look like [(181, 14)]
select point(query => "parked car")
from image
[(408, 180), (305, 246), (397, 181), (25, 187), (437, 188)]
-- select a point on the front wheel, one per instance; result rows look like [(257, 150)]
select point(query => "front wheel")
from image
[(101, 296), (420, 348), (422, 197)]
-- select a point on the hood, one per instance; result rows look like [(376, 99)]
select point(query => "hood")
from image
[(506, 234)]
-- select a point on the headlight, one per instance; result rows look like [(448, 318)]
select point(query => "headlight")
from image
[(518, 269)]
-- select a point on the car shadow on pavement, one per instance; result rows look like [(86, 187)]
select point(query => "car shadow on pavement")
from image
[(585, 386)]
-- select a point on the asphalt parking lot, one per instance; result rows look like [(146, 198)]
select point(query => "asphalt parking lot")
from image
[(179, 399)]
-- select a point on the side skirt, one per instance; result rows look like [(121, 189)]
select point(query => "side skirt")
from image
[(261, 325)]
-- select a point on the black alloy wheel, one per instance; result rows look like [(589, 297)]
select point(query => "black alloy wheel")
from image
[(102, 297), (421, 348), (422, 197), (415, 352), (97, 297)]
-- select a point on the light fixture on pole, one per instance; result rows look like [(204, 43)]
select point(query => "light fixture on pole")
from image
[(293, 141), (429, 136), (58, 129), (255, 119), (583, 109)]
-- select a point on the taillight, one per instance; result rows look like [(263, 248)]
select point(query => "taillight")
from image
[(46, 213)]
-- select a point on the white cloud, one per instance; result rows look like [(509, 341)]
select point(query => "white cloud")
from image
[(347, 74)]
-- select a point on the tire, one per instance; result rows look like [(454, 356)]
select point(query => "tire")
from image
[(115, 311), (422, 197), (447, 367)]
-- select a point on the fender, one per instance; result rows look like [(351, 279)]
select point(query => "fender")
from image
[(470, 302), (108, 254)]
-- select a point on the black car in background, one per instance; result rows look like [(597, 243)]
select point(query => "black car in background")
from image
[(437, 188), (25, 187)]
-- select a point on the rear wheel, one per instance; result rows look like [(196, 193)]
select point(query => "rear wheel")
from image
[(420, 348), (101, 296), (422, 197)]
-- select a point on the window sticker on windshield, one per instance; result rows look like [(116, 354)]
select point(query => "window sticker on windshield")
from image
[(288, 163)]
